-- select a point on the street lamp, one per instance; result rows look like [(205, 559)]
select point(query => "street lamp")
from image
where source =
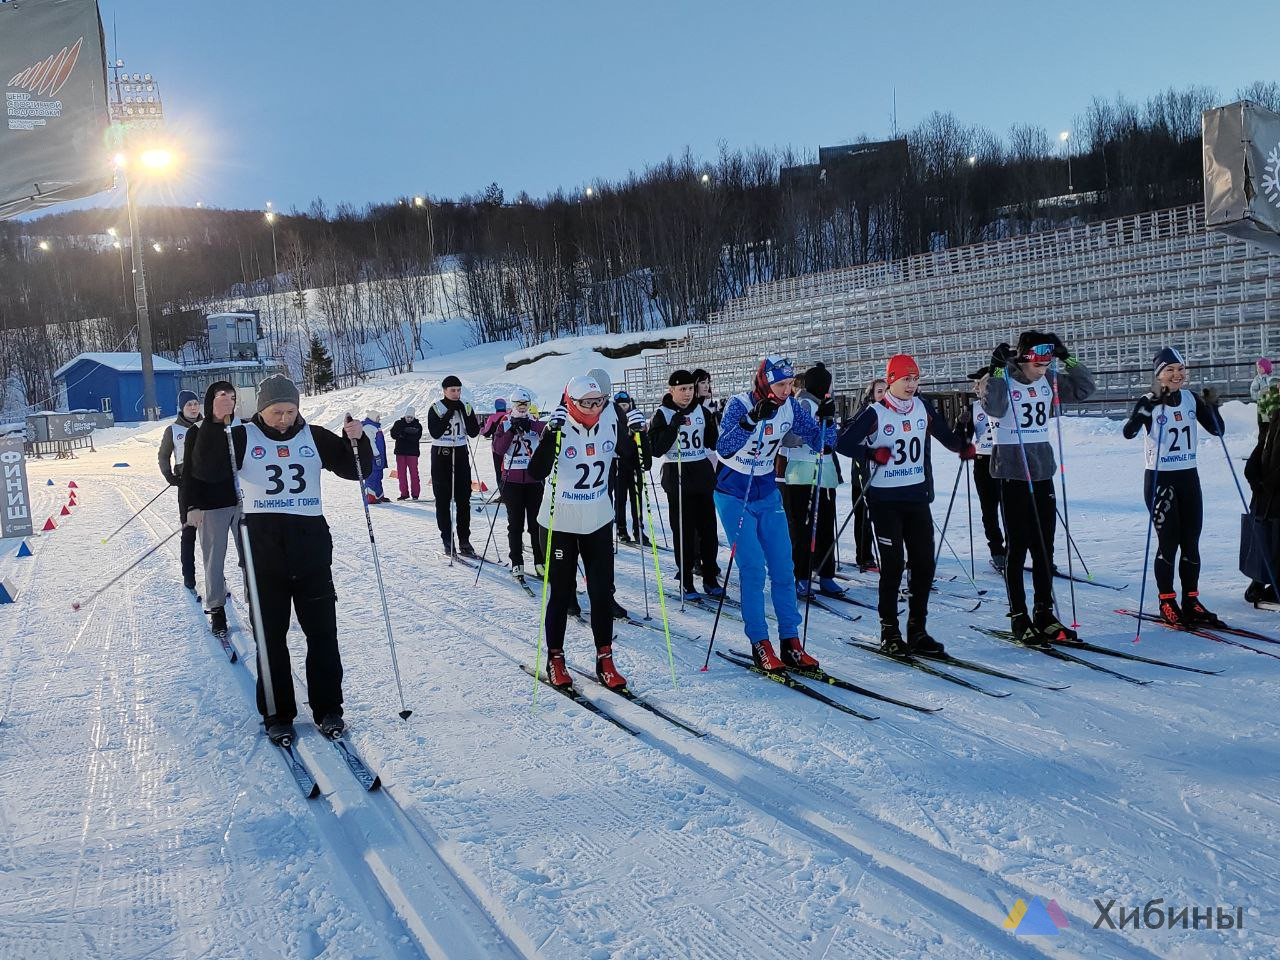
[(973, 160), (45, 246), (270, 217), (419, 201), (153, 162), (1065, 137)]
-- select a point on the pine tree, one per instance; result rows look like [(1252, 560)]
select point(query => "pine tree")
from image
[(319, 368)]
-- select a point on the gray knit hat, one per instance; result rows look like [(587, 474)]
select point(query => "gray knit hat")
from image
[(277, 388)]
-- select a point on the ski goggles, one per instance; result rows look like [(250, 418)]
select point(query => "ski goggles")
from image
[(1040, 353), (591, 403)]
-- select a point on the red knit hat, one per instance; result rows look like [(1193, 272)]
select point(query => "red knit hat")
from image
[(901, 365)]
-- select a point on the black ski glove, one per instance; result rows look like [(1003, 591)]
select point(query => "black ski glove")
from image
[(1145, 405), (678, 419), (1059, 348), (1002, 356), (1211, 397), (457, 405), (763, 410), (826, 409)]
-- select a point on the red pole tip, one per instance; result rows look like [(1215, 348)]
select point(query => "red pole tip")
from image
[(1075, 626), (703, 670)]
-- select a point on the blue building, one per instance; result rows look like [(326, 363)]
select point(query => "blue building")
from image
[(112, 383)]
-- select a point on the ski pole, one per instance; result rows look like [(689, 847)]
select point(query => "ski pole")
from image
[(546, 570), (77, 604), (251, 586), (733, 550), (1066, 507), (1079, 556), (813, 531), (947, 522), (1266, 556), (493, 521), (681, 558), (1151, 519), (405, 712), (644, 570), (661, 522), (943, 535), (968, 497), (852, 511), (138, 514), (449, 511), (657, 567)]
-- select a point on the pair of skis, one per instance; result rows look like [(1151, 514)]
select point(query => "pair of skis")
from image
[(929, 666), (1220, 632), (306, 780), (625, 693)]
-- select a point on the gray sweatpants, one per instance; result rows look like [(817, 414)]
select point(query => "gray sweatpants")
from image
[(214, 528)]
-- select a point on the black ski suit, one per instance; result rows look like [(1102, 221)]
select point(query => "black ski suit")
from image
[(695, 532)]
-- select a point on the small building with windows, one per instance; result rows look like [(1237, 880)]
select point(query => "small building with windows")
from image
[(244, 374), (112, 383)]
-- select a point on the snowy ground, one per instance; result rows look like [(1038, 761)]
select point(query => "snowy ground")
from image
[(141, 814)]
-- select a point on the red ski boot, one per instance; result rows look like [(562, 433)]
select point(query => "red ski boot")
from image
[(606, 672), (794, 656), (557, 672), (1170, 612), (763, 656)]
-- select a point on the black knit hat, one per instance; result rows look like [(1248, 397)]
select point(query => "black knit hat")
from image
[(700, 375), (978, 374), (681, 378), (817, 380), (450, 381)]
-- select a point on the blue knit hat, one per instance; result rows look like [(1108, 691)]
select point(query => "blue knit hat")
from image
[(499, 405), (1165, 357), (185, 397)]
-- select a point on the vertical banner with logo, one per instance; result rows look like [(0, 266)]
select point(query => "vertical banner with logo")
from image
[(15, 516), (53, 121), (1242, 172)]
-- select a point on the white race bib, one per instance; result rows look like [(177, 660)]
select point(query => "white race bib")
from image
[(984, 429), (455, 434), (179, 434), (905, 436), (521, 450), (690, 441), (1178, 433), (582, 500), (755, 459), (1030, 409), (281, 476)]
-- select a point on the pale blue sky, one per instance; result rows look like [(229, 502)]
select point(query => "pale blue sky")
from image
[(283, 100)]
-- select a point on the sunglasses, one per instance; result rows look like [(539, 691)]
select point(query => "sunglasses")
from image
[(1041, 351), (590, 403)]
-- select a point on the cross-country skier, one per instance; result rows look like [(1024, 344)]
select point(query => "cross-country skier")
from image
[(863, 531), (577, 512), (450, 421), (491, 426), (626, 482), (750, 505), (279, 459), (207, 487), (685, 433), (172, 448), (702, 384), (1020, 398), (514, 442), (975, 425), (1264, 390), (1262, 471), (372, 425), (894, 436), (800, 478), (407, 434), (1171, 487)]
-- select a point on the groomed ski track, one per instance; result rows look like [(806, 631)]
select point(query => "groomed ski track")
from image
[(832, 835)]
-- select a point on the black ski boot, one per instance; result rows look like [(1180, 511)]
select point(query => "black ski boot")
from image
[(575, 608), (891, 641), (332, 725), (280, 731), (1195, 613), (920, 643), (1025, 633), (624, 537), (218, 621), (1259, 593), (466, 549), (1053, 629), (619, 612)]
